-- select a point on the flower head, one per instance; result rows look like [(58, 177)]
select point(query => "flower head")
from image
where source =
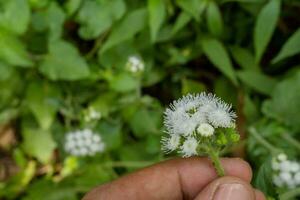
[(205, 130), (286, 172), (189, 147), (195, 110), (170, 143), (135, 64), (83, 143)]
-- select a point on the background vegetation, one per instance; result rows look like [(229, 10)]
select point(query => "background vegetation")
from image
[(59, 59)]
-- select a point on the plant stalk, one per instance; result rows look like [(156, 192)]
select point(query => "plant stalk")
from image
[(214, 156)]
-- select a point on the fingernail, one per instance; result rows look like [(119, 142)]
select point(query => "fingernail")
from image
[(233, 191)]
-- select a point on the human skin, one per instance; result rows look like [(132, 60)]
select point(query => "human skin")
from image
[(183, 178)]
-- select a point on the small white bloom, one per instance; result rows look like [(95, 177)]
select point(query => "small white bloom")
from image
[(278, 181), (295, 167), (282, 157), (205, 130), (83, 143), (135, 64), (170, 143), (285, 176), (285, 166), (297, 178), (189, 147)]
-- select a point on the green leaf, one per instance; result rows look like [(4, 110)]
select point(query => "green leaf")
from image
[(132, 23), (244, 58), (96, 17), (290, 48), (191, 86), (42, 100), (284, 105), (144, 121), (38, 143), (64, 63), (55, 18), (123, 83), (265, 26), (214, 19), (6, 71), (257, 81), (157, 14), (263, 180), (71, 6), (12, 50), (111, 134), (193, 7), (16, 16), (104, 103), (217, 54), (183, 19)]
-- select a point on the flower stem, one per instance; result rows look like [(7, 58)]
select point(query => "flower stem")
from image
[(263, 142), (291, 140), (214, 156), (290, 194)]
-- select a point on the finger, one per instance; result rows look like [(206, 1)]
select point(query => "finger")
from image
[(259, 195), (227, 188), (173, 179)]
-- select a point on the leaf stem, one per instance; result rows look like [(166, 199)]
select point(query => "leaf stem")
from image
[(290, 194), (263, 142), (291, 140)]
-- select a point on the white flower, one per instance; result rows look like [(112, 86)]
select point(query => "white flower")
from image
[(286, 172), (135, 64), (91, 114), (187, 113), (170, 143), (221, 115), (205, 130), (189, 147), (83, 142)]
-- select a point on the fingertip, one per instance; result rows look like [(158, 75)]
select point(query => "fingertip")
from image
[(237, 167), (259, 195)]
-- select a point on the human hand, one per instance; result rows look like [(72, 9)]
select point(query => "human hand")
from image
[(189, 178)]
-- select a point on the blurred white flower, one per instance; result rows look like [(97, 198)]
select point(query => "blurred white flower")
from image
[(170, 143), (83, 142), (286, 172), (135, 64), (187, 113), (189, 147), (91, 114), (205, 130)]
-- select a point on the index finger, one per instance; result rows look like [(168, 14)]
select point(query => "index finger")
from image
[(172, 179)]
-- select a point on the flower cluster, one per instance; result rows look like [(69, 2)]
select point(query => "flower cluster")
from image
[(83, 143), (286, 172), (91, 114), (198, 119), (135, 64)]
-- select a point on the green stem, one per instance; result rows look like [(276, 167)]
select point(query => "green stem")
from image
[(263, 142), (214, 156), (290, 194), (291, 140)]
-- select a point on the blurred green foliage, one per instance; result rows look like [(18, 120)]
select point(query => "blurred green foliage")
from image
[(60, 58)]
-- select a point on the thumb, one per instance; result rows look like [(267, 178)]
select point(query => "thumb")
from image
[(227, 188)]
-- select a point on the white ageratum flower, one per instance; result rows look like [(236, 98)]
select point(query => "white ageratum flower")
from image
[(286, 172), (83, 143), (91, 114), (170, 143), (135, 64), (205, 130), (187, 113), (189, 147)]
